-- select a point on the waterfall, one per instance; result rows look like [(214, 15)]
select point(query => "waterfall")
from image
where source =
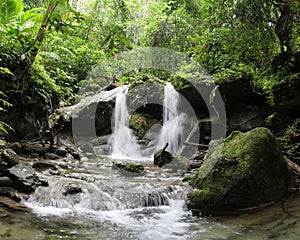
[(123, 142), (171, 129)]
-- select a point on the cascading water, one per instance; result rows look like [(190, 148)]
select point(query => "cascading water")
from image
[(123, 142), (91, 200), (121, 207), (171, 129)]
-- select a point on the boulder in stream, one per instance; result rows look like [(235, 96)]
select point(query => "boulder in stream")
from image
[(24, 178), (248, 172), (171, 160), (71, 189), (127, 168)]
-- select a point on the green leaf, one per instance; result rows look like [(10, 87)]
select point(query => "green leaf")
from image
[(35, 15), (5, 71), (10, 9)]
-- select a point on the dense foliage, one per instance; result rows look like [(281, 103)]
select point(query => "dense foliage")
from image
[(47, 48)]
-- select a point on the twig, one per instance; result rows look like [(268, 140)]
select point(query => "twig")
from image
[(293, 165)]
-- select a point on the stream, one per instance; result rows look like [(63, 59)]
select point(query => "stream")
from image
[(91, 199), (105, 204)]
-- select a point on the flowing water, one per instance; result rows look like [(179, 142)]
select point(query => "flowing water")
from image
[(171, 132), (111, 205), (123, 143), (93, 200)]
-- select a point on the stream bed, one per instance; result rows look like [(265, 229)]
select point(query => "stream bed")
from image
[(91, 200)]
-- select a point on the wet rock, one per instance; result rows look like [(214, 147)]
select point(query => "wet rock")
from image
[(75, 155), (141, 123), (3, 143), (8, 158), (170, 160), (12, 204), (129, 167), (5, 182), (61, 151), (162, 157), (244, 117), (16, 146), (155, 199), (51, 156), (42, 166), (10, 193), (36, 147), (71, 189), (33, 155), (4, 230), (247, 172), (24, 178)]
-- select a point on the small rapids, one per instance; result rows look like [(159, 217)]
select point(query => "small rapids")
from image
[(108, 205), (92, 200), (148, 206)]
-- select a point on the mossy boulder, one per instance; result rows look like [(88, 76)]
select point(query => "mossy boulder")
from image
[(8, 158), (127, 168), (141, 124), (247, 172)]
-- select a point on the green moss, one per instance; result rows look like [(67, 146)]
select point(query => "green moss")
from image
[(248, 171), (290, 138), (141, 123), (129, 167)]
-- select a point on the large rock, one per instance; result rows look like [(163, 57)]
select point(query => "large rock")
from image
[(24, 178), (141, 123), (36, 147), (244, 117), (8, 158), (247, 172), (170, 160)]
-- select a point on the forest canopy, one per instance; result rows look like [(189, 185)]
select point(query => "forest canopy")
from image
[(48, 47)]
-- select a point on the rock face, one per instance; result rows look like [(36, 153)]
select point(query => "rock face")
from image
[(244, 117), (247, 172), (24, 178)]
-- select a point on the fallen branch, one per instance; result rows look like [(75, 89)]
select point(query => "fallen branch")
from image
[(293, 165), (292, 155), (196, 144)]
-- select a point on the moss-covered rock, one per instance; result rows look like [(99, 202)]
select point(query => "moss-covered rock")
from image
[(141, 123), (162, 157), (170, 160), (247, 172), (8, 158), (128, 168)]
